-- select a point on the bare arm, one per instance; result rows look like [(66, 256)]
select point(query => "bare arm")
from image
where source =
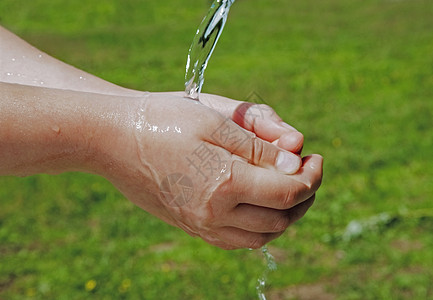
[(46, 130), (24, 64)]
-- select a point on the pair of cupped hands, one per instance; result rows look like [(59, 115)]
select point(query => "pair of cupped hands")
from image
[(228, 171)]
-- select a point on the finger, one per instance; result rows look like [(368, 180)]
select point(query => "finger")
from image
[(265, 220), (262, 187), (258, 118), (238, 238), (219, 243), (262, 120), (256, 151), (291, 141)]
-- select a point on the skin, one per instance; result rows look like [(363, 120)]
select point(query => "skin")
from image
[(227, 155)]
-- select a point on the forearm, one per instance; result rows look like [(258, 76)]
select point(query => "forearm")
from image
[(24, 64), (52, 131)]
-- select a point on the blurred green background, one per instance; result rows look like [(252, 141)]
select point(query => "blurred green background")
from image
[(356, 77)]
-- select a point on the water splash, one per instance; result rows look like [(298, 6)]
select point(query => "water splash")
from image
[(202, 46), (271, 266)]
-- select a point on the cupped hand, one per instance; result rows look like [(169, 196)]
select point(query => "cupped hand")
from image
[(195, 168), (259, 118)]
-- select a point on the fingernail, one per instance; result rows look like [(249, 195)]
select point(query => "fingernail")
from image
[(287, 162)]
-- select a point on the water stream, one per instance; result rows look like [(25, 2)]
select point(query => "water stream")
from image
[(202, 46), (200, 52), (271, 265)]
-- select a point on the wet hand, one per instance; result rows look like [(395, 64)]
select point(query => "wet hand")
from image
[(198, 170), (258, 118)]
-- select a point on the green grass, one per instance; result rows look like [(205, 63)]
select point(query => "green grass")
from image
[(356, 77)]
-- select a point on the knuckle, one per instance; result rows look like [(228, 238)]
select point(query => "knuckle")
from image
[(291, 197), (265, 110), (300, 135), (257, 242), (281, 224), (257, 150), (263, 153)]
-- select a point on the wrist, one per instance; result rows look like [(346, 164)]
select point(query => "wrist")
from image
[(53, 131), (109, 148)]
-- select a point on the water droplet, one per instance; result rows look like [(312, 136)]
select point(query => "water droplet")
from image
[(40, 56), (56, 128), (13, 59), (83, 78), (9, 74)]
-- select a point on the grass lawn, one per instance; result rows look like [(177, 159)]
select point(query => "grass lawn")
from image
[(356, 77)]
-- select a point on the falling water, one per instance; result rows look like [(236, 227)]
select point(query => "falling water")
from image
[(271, 265), (202, 46), (201, 50)]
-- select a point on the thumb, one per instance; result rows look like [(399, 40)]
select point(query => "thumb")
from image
[(247, 145)]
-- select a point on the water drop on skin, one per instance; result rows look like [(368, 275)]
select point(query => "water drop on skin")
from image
[(56, 128)]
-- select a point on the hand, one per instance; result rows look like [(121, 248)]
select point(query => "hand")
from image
[(260, 119), (197, 170)]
